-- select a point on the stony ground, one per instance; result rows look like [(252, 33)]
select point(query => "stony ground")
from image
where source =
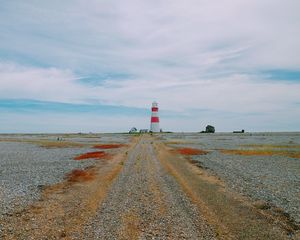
[(28, 163), (271, 178), (274, 180), (144, 190), (26, 168)]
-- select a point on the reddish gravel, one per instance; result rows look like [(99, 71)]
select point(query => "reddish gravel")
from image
[(78, 175), (191, 151), (97, 155), (108, 146)]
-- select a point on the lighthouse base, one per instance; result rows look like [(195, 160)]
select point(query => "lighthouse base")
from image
[(154, 127)]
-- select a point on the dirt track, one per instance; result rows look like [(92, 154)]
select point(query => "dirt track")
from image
[(145, 192), (146, 202)]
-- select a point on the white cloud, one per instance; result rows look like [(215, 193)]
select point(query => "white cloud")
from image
[(238, 93), (125, 35), (50, 84), (193, 54)]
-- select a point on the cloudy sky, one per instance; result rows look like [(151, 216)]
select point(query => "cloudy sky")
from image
[(97, 65)]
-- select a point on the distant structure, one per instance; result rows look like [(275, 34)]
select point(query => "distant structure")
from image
[(209, 129), (133, 130), (243, 131), (143, 130), (154, 127)]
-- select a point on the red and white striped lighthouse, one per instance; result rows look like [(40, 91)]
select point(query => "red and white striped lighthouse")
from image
[(154, 127)]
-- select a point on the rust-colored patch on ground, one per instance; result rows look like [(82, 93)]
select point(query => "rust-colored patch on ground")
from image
[(79, 175), (109, 146), (254, 152), (89, 155), (191, 151)]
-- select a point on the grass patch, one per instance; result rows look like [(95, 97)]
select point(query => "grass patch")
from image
[(263, 205), (59, 144), (270, 146), (46, 143), (178, 141), (261, 152)]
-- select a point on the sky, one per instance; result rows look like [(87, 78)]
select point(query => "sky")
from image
[(96, 66)]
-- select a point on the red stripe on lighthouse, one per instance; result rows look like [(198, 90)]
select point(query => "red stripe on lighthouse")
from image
[(154, 109), (154, 119)]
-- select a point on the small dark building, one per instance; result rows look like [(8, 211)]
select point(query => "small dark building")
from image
[(210, 129), (143, 130)]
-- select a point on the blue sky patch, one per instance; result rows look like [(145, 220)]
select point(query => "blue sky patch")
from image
[(287, 75), (25, 105), (97, 79)]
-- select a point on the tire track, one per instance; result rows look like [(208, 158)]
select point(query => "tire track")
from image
[(145, 203)]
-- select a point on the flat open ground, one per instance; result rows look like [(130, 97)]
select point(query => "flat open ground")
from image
[(165, 186)]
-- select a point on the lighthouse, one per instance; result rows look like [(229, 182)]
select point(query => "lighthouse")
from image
[(154, 127)]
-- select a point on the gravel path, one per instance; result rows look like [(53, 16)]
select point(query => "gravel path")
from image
[(274, 179), (146, 203)]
